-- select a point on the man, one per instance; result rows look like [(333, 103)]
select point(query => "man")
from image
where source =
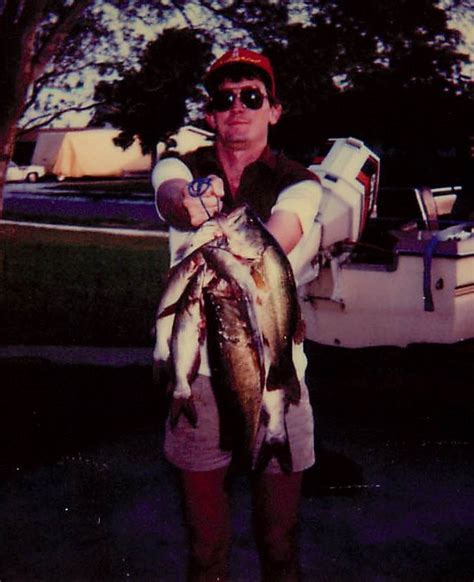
[(242, 169)]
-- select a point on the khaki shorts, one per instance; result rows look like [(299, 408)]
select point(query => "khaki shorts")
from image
[(197, 449)]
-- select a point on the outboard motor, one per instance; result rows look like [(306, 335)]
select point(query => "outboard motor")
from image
[(349, 173)]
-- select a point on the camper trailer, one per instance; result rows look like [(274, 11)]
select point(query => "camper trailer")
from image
[(88, 152)]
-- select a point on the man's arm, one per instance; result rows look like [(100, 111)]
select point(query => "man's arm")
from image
[(169, 201), (286, 228), (174, 203), (184, 211), (294, 213)]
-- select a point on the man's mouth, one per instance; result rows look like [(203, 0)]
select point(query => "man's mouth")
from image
[(238, 122)]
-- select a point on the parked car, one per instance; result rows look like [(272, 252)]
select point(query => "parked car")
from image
[(31, 173)]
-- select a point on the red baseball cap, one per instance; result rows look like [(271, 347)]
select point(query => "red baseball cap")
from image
[(242, 56)]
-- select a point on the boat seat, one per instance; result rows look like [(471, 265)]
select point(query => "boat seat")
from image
[(399, 206), (428, 207)]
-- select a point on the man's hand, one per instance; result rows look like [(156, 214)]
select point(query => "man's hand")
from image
[(201, 208), (184, 211)]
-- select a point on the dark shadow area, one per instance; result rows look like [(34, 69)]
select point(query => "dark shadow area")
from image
[(87, 495)]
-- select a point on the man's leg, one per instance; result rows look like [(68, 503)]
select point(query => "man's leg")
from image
[(276, 500), (207, 514)]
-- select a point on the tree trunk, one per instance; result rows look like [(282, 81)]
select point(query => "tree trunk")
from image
[(7, 141), (18, 25)]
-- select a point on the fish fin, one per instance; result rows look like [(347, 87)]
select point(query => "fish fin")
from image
[(168, 310), (299, 326), (264, 417), (172, 270), (283, 376), (300, 331), (259, 280), (202, 331), (293, 390), (181, 252), (184, 406), (278, 449)]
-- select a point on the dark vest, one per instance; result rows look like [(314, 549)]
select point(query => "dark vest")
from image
[(261, 182)]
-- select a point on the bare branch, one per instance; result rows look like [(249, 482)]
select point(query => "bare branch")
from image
[(51, 117), (41, 82), (182, 11), (35, 90), (58, 35)]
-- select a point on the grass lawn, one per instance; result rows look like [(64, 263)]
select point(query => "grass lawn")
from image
[(59, 291)]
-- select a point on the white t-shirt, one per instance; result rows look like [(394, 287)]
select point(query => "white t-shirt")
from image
[(302, 199)]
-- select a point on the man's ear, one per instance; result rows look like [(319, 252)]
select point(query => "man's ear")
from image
[(275, 113), (209, 117)]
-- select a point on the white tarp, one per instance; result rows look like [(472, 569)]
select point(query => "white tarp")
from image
[(88, 152)]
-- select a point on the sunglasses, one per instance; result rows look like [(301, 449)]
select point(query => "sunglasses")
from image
[(224, 99)]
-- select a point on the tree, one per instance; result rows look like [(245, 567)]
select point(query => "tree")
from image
[(153, 101), (346, 56), (24, 57), (388, 72), (40, 39)]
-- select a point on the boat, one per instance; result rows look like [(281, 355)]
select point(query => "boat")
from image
[(390, 267)]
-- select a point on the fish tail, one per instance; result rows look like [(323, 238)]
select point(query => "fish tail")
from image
[(283, 376), (183, 406), (278, 449)]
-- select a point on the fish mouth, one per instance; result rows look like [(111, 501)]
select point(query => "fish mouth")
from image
[(225, 221), (237, 228), (237, 215)]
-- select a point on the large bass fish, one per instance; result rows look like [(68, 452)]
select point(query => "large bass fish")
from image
[(235, 288)]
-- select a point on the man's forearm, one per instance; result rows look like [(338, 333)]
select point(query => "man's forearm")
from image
[(169, 199)]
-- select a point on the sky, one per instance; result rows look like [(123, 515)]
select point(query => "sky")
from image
[(84, 94)]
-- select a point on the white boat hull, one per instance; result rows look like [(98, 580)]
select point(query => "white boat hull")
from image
[(360, 304)]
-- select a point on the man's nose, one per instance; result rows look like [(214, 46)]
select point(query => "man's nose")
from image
[(237, 105)]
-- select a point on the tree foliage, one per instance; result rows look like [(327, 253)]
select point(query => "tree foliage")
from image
[(390, 71), (387, 72), (48, 43), (23, 58), (153, 101)]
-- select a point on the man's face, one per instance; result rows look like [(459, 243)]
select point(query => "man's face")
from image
[(241, 127)]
